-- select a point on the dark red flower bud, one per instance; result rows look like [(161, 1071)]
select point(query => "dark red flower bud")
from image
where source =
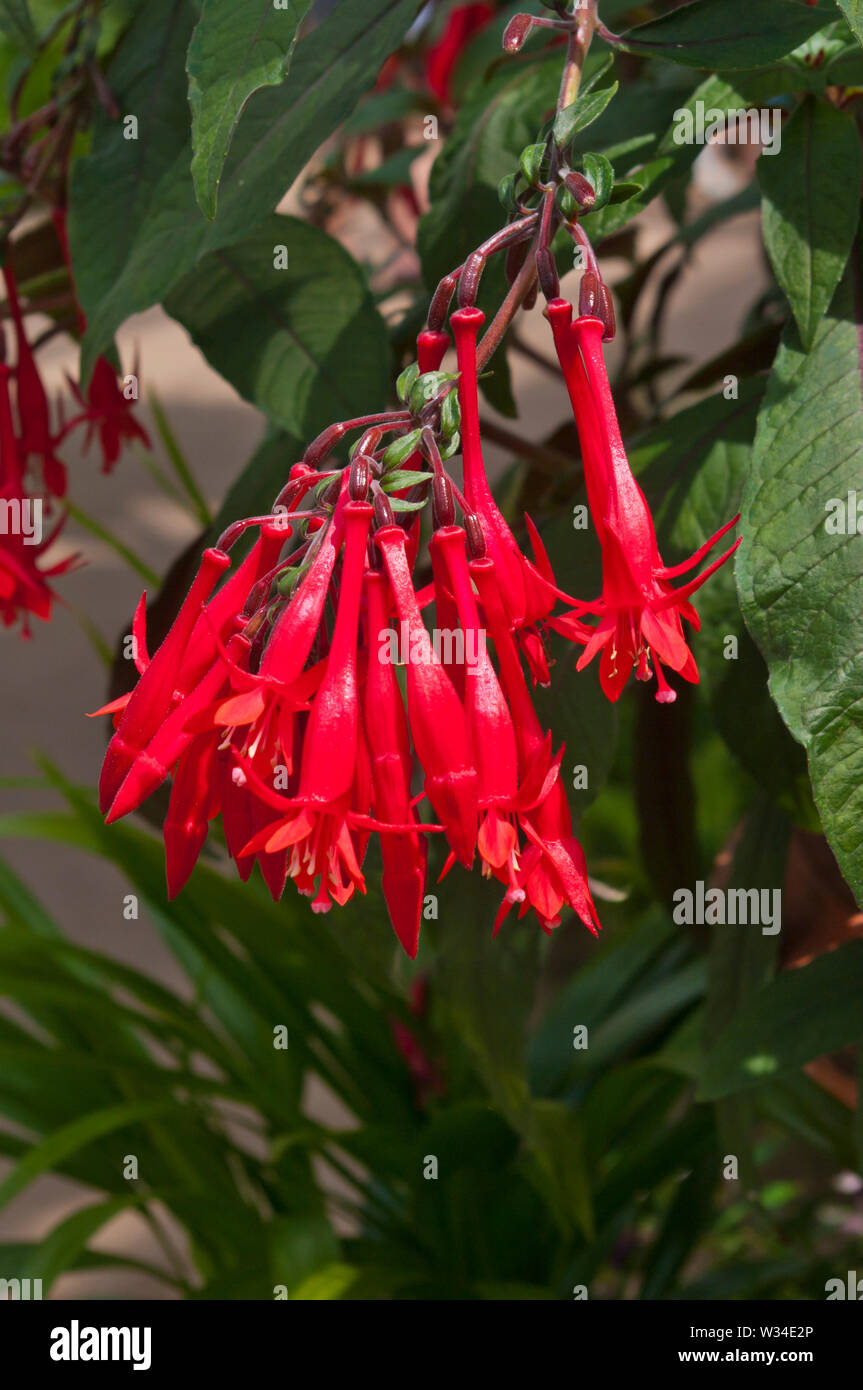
[(360, 478), (607, 313), (516, 32), (589, 296), (581, 190), (443, 506), (547, 272)]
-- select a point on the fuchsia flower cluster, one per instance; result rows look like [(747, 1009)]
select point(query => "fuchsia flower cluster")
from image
[(268, 704), (30, 470)]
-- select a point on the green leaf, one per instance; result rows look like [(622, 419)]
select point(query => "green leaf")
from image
[(803, 1014), (707, 35), (800, 584), (236, 49), (692, 468), (686, 1220), (287, 339), (811, 192), (77, 1135), (16, 23), (668, 158), (581, 113), (599, 173), (134, 225), (557, 1142), (853, 12), (742, 960)]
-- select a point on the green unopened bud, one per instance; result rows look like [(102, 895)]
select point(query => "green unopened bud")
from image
[(530, 163), (506, 192), (451, 446), (406, 380), (450, 415), (401, 449), (426, 387)]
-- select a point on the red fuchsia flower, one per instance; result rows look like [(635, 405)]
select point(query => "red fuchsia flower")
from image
[(552, 870), (108, 414), (36, 438), (441, 59), (437, 719), (106, 409), (318, 826), (150, 731), (24, 588), (404, 854), (528, 590), (639, 613)]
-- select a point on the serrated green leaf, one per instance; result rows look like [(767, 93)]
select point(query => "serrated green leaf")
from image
[(286, 338), (853, 12), (235, 50), (811, 191), (800, 584)]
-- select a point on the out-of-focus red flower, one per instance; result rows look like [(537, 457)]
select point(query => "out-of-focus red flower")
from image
[(463, 23), (107, 411), (36, 438), (109, 414), (24, 588)]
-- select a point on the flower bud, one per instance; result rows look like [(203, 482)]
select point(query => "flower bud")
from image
[(475, 537), (589, 296), (581, 190), (359, 479), (384, 515), (443, 506), (516, 32), (547, 272), (607, 313)]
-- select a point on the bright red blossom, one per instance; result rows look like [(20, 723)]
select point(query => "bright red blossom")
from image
[(639, 613)]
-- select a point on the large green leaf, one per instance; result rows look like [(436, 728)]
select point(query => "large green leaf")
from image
[(801, 587), (287, 338), (801, 1015), (811, 194), (692, 467), (705, 34), (134, 225), (236, 49)]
